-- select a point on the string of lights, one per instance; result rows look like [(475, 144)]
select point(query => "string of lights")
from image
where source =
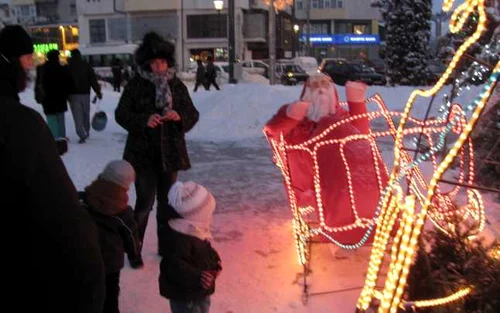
[(400, 265)]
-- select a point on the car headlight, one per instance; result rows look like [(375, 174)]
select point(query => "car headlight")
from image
[(289, 74)]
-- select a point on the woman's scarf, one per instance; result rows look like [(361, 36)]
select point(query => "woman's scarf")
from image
[(163, 92), (191, 228)]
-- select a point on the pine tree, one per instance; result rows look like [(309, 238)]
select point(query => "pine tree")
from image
[(407, 39)]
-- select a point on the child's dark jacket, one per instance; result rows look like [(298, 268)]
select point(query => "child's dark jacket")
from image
[(184, 259), (117, 235)]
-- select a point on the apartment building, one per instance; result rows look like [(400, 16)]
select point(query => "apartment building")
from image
[(33, 12), (6, 13), (339, 28), (196, 27)]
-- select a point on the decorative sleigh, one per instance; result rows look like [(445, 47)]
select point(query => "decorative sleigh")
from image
[(309, 223)]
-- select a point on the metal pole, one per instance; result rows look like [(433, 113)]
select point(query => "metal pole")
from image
[(183, 67), (294, 41), (272, 43), (231, 35), (308, 42)]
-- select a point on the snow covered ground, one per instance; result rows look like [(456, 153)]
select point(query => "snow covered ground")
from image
[(252, 227)]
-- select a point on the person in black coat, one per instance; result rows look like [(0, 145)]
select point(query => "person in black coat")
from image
[(190, 265), (156, 110), (56, 84), (83, 79), (54, 263), (200, 76), (211, 73), (117, 71), (106, 200)]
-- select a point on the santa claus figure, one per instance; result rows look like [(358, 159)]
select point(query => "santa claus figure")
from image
[(351, 173)]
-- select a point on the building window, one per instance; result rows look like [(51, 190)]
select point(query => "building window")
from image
[(207, 26), (315, 4), (360, 29), (72, 9), (340, 4), (317, 29), (24, 10), (299, 5), (97, 30), (117, 29)]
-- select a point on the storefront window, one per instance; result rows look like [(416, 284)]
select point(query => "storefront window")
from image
[(360, 29), (207, 26)]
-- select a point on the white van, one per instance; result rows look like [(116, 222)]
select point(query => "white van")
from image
[(100, 58)]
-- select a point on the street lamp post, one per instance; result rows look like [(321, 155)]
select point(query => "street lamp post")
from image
[(219, 5), (272, 43), (296, 41), (230, 35)]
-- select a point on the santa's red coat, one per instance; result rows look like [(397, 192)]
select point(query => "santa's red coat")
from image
[(333, 174)]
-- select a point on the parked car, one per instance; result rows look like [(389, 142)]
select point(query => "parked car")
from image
[(341, 71), (377, 64), (290, 74), (255, 67)]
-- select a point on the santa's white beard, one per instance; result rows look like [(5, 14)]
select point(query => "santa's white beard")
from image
[(322, 104)]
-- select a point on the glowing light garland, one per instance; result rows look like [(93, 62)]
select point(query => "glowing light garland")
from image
[(394, 206), (442, 212), (405, 242)]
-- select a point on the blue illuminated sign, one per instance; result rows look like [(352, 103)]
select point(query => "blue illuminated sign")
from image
[(344, 39)]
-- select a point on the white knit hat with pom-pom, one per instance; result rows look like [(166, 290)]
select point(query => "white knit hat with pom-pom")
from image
[(192, 201)]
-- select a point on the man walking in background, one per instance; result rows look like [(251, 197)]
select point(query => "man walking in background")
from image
[(84, 78), (211, 73), (117, 70), (200, 76)]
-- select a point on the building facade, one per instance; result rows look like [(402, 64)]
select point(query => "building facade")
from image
[(6, 13), (199, 30), (338, 28), (195, 26)]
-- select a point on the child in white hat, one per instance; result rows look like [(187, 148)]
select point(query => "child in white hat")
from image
[(190, 264)]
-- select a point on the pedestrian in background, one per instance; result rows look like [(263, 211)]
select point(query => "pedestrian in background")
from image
[(56, 84), (211, 73), (117, 70), (84, 78), (200, 76)]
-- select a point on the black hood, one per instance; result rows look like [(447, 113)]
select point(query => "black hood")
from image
[(12, 78)]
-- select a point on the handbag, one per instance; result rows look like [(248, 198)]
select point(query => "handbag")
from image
[(99, 120)]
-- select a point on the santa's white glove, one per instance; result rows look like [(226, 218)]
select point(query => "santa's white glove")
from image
[(297, 110), (355, 91)]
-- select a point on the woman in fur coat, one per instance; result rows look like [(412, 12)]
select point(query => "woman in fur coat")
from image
[(156, 110)]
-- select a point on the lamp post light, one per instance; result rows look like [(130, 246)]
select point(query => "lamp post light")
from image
[(219, 5), (230, 35), (296, 40)]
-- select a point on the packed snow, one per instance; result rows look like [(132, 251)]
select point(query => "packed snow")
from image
[(252, 228)]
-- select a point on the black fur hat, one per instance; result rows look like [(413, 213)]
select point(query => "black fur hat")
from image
[(15, 41), (154, 47)]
